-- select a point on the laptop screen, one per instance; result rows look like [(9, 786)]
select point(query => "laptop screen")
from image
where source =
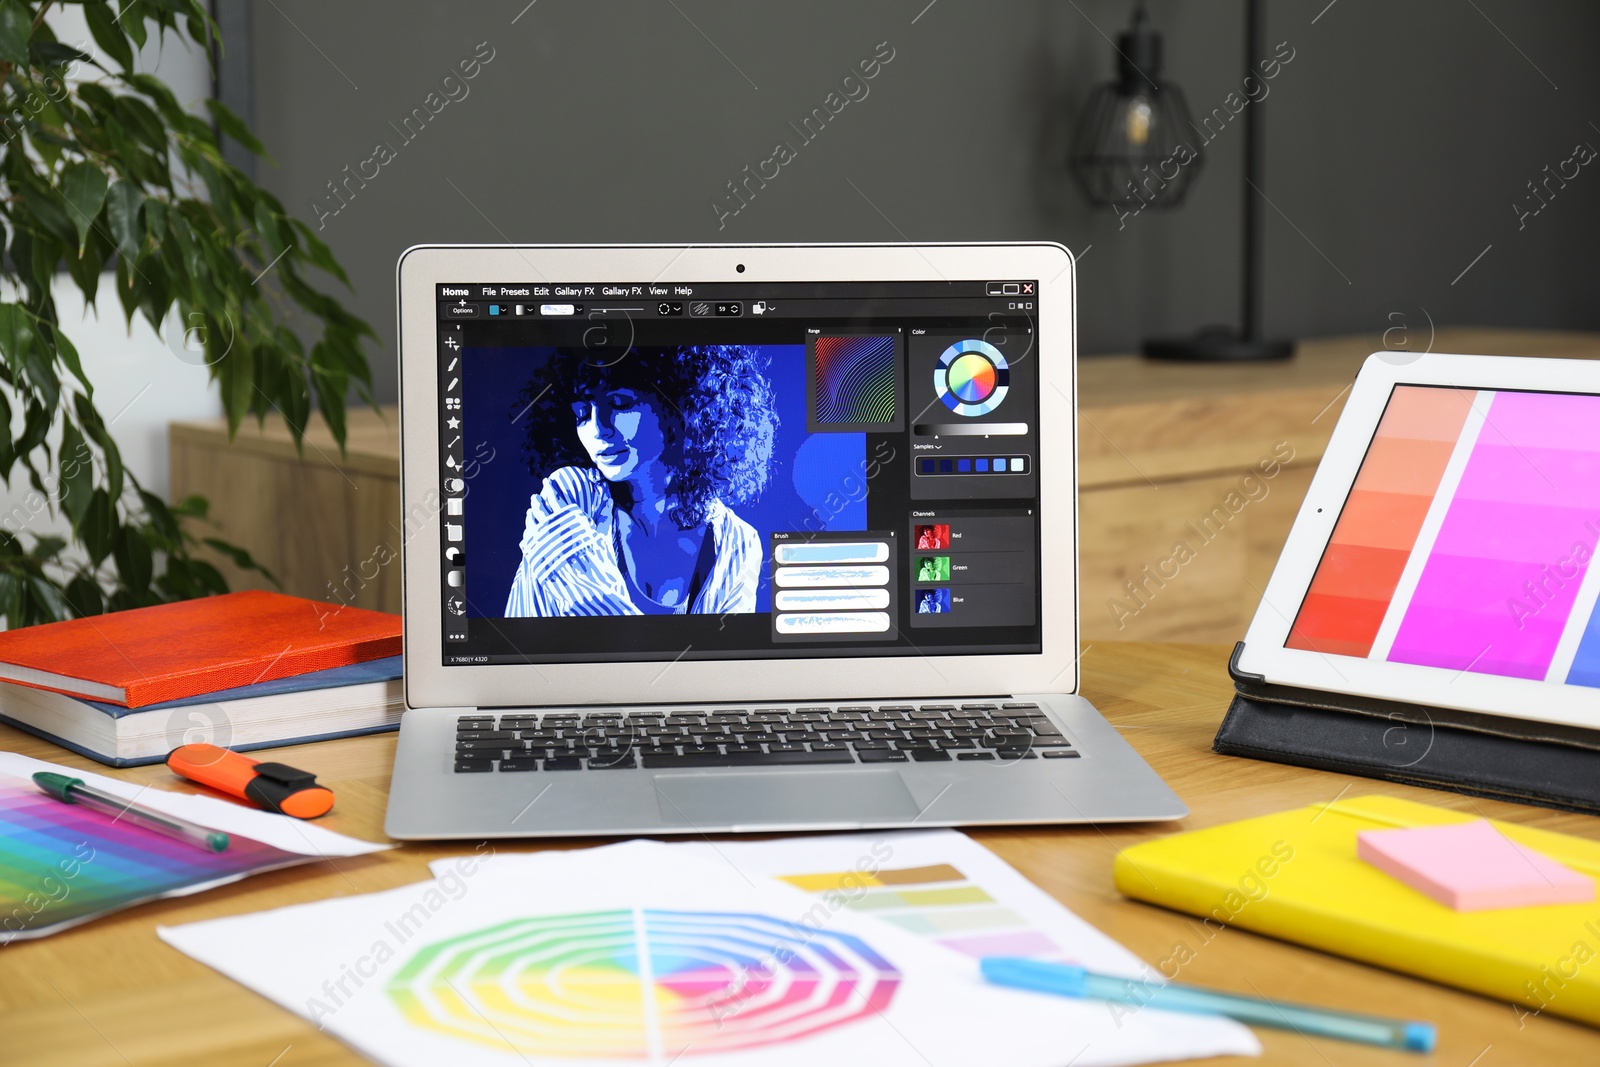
[(639, 471)]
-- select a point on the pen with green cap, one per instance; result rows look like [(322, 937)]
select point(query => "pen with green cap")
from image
[(1069, 981), (77, 791)]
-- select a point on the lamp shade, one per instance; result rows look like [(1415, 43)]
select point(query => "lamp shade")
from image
[(1132, 148)]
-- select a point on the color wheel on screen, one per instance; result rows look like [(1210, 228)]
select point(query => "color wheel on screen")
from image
[(642, 983), (972, 378)]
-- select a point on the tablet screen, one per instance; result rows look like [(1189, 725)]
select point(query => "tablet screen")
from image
[(1467, 538)]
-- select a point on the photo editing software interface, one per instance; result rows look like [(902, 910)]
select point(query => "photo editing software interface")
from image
[(641, 471), (1468, 538)]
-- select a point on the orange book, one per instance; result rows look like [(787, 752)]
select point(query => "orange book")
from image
[(171, 651)]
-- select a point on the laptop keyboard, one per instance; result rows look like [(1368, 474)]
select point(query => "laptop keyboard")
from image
[(756, 737)]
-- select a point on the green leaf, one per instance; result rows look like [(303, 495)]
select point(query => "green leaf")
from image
[(127, 292), (242, 559), (75, 468), (268, 227), (107, 32), (134, 563), (48, 547), (85, 268), (95, 427), (193, 506), (157, 90), (44, 257), (51, 146), (41, 372), (22, 243), (85, 596), (56, 54), (210, 579), (185, 239), (17, 335), (133, 23), (161, 518), (99, 527), (8, 449), (142, 119), (216, 184), (35, 428), (330, 397), (47, 213), (10, 600), (239, 391), (319, 253), (16, 26), (69, 355), (48, 606), (83, 185), (123, 204), (233, 126)]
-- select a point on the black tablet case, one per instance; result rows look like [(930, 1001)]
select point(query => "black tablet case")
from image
[(1464, 752)]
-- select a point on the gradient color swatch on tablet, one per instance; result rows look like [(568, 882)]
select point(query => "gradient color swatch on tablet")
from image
[(63, 863), (1503, 574), (1466, 540), (642, 983), (1399, 477), (853, 381)]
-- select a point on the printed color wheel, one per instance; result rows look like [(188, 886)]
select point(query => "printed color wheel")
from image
[(972, 378), (642, 984)]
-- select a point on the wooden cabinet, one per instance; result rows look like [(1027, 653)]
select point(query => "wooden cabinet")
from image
[(1190, 476), (328, 526), (1189, 479)]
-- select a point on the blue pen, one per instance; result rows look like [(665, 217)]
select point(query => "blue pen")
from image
[(1068, 981)]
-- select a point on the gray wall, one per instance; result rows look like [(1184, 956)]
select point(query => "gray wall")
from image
[(1398, 139)]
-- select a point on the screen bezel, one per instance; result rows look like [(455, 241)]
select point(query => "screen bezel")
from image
[(1264, 652), (428, 683)]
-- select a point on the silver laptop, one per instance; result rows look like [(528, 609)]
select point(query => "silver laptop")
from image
[(744, 538)]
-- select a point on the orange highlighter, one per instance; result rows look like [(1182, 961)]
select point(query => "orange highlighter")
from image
[(273, 786)]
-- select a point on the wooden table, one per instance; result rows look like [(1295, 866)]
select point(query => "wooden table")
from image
[(111, 994)]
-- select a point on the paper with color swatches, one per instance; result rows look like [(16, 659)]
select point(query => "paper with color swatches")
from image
[(938, 884), (644, 952), (62, 864)]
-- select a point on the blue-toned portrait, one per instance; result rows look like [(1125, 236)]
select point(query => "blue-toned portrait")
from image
[(653, 480)]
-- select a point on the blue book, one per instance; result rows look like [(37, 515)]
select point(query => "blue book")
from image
[(362, 698)]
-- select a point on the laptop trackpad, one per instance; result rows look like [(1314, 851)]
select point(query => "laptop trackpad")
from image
[(757, 798)]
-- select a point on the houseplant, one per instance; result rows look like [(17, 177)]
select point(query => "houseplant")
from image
[(109, 175)]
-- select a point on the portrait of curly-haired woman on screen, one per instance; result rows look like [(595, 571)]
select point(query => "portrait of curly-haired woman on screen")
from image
[(641, 463)]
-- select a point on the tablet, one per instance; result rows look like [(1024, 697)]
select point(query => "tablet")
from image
[(1444, 555)]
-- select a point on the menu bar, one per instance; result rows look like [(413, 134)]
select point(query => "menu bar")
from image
[(696, 307), (599, 290)]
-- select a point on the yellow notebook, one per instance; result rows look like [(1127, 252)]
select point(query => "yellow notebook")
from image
[(1295, 876)]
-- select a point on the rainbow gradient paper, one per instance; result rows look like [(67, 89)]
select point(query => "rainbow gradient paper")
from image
[(62, 864)]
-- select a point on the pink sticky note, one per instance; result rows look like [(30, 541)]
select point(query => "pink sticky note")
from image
[(1472, 866)]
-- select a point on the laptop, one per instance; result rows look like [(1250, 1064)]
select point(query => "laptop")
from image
[(744, 538)]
